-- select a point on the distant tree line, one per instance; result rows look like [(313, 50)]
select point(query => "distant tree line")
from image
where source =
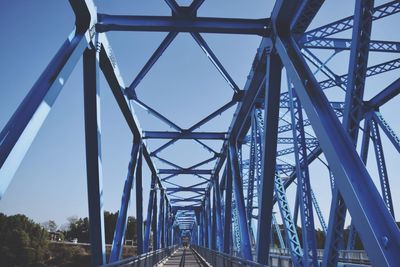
[(79, 228), (26, 243), (22, 242)]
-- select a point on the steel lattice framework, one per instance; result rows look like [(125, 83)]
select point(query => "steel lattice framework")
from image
[(232, 209)]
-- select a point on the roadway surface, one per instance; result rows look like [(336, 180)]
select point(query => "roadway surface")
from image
[(184, 257)]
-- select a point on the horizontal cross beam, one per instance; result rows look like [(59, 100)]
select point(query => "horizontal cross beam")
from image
[(182, 24), (184, 135), (183, 171), (185, 189)]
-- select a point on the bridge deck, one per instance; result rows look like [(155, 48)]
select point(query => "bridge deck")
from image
[(184, 257)]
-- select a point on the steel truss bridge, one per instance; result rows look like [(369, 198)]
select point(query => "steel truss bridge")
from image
[(235, 209)]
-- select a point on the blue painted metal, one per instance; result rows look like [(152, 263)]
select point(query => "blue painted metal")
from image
[(363, 201), (228, 207), (303, 178), (345, 44), (161, 217), (393, 137), (341, 25), (18, 134), (210, 54), (239, 200), (130, 91), (139, 203), (184, 135), (380, 161), (154, 221), (319, 212), (122, 220), (218, 213), (198, 213), (353, 112), (208, 218), (292, 238), (93, 157), (268, 155), (278, 232), (169, 24), (385, 95), (146, 241)]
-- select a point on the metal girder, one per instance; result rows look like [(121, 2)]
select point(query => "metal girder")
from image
[(184, 135), (319, 212), (381, 163), (228, 207), (139, 203), (161, 217), (251, 174), (185, 189), (210, 54), (234, 100), (120, 228), (379, 12), (371, 71), (346, 44), (239, 201), (354, 108), (183, 171), (304, 15), (130, 91), (289, 225), (218, 215), (154, 221), (18, 134), (385, 95), (268, 154), (387, 129), (304, 186), (146, 241), (93, 156), (170, 24), (111, 72), (363, 200)]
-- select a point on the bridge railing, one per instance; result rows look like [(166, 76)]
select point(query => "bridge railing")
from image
[(345, 256), (148, 259), (216, 258)]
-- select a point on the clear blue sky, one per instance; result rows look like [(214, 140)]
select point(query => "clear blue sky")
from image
[(183, 85)]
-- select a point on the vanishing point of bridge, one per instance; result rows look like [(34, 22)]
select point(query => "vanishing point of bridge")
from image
[(288, 114)]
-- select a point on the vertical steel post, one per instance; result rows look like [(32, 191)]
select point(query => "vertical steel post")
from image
[(146, 241), (208, 218), (139, 203), (239, 200), (218, 212), (160, 230), (120, 228), (214, 224), (271, 115), (154, 221), (93, 156), (228, 206), (353, 112), (381, 164), (303, 178)]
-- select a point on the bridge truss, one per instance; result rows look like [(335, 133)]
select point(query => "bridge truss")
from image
[(234, 209)]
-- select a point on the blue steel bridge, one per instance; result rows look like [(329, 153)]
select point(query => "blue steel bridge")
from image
[(238, 211)]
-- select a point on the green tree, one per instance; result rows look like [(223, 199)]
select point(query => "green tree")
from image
[(50, 226), (22, 242)]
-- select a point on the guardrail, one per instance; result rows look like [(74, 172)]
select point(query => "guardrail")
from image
[(345, 256), (216, 258), (148, 259)]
